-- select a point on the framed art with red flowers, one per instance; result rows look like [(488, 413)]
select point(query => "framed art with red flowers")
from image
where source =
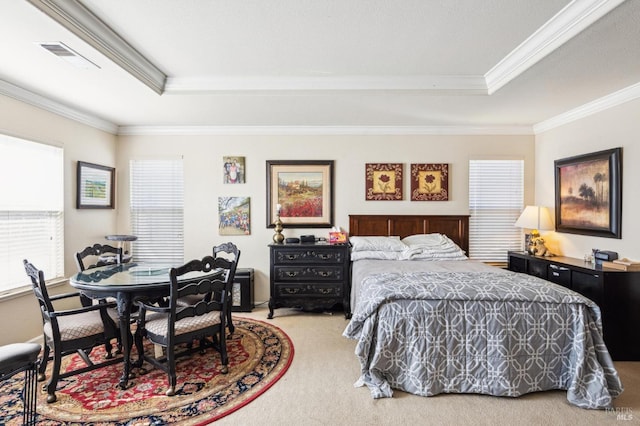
[(383, 181), (429, 182)]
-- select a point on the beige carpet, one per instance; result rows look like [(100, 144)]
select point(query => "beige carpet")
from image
[(318, 390)]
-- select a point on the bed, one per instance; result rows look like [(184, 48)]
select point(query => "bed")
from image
[(428, 320)]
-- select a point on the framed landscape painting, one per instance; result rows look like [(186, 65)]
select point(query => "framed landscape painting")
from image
[(95, 186), (589, 194), (301, 191)]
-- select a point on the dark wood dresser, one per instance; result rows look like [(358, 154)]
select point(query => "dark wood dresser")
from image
[(309, 276), (617, 293)]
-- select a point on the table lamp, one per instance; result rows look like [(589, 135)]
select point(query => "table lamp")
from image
[(534, 218)]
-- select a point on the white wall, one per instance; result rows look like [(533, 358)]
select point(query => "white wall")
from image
[(616, 127), (203, 179), (20, 315)]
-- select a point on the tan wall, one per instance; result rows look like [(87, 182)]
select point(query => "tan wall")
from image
[(203, 184), (203, 179), (19, 314), (616, 127)]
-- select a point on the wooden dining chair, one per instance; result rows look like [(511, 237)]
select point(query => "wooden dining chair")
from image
[(68, 331), (228, 256), (194, 319), (98, 255)]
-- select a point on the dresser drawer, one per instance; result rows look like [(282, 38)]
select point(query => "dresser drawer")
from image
[(308, 290), (559, 275), (308, 273), (537, 269), (310, 255), (588, 285), (517, 264)]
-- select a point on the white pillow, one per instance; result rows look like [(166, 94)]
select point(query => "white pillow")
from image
[(377, 255), (422, 253), (376, 244), (432, 247), (429, 240)]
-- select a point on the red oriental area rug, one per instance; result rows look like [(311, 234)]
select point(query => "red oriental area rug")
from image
[(259, 355)]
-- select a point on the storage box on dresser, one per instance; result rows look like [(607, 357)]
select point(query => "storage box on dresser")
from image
[(309, 276), (616, 292)]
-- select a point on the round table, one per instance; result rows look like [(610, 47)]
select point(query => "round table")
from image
[(127, 282)]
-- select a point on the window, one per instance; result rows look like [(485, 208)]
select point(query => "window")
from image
[(496, 198), (157, 211), (31, 210)]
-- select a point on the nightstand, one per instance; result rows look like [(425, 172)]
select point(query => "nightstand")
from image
[(309, 276)]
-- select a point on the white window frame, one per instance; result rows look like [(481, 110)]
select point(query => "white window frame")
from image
[(496, 199)]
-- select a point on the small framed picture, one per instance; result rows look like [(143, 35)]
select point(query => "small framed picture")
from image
[(234, 215), (95, 186), (429, 182), (233, 169), (383, 181)]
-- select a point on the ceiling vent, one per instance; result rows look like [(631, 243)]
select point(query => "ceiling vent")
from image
[(63, 51)]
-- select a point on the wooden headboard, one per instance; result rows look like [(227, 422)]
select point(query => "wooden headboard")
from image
[(454, 227)]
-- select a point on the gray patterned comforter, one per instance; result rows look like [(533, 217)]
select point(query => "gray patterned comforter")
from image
[(499, 333)]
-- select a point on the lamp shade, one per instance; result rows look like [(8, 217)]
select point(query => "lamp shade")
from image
[(535, 217)]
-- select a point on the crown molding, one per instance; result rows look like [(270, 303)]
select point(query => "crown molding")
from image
[(571, 20), (614, 99), (55, 107), (75, 17), (468, 85), (323, 130)]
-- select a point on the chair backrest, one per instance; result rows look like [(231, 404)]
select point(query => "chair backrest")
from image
[(40, 290), (214, 290), (104, 254), (227, 256)]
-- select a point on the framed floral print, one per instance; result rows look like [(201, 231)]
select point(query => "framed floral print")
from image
[(383, 181), (429, 182)]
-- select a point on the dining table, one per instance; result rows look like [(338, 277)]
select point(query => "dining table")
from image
[(127, 283)]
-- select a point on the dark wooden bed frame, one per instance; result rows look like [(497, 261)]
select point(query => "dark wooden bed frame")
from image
[(455, 227)]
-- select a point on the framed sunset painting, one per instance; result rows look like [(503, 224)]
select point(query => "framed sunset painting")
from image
[(588, 191)]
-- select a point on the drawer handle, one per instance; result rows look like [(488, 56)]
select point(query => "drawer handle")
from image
[(560, 268), (291, 290), (325, 290), (291, 273), (555, 274), (324, 256), (325, 273)]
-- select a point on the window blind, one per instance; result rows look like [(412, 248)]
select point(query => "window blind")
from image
[(157, 211), (496, 198), (31, 210)]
